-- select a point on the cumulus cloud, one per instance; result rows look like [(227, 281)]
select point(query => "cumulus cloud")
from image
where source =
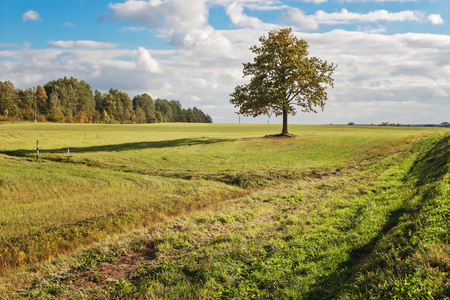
[(103, 68), (141, 12), (146, 62), (171, 14), (345, 17), (183, 23), (311, 22), (31, 15), (402, 67), (436, 19), (300, 19), (207, 42), (237, 16), (379, 77)]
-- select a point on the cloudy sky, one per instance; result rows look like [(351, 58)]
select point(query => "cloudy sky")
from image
[(393, 56)]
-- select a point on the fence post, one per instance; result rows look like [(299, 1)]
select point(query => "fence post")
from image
[(37, 149)]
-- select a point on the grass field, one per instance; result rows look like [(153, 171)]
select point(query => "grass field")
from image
[(221, 211)]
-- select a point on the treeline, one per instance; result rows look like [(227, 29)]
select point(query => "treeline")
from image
[(72, 101)]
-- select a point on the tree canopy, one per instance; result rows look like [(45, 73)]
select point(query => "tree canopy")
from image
[(73, 101), (283, 77)]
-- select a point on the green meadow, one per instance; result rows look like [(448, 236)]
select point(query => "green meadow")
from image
[(207, 211)]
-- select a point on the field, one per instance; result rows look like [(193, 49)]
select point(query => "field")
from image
[(205, 211)]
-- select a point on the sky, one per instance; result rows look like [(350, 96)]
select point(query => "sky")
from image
[(393, 56)]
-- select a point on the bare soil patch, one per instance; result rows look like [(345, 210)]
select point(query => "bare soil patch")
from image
[(107, 273)]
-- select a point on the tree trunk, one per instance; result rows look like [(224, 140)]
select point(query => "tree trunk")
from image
[(285, 123)]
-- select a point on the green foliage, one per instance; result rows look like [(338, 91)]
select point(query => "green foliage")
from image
[(144, 106), (9, 102), (75, 97), (283, 76), (67, 100), (96, 257)]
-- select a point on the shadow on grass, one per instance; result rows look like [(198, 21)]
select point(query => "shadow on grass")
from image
[(433, 165), (117, 147), (427, 169)]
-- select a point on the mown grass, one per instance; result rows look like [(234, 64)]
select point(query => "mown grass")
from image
[(201, 148), (49, 209), (335, 192)]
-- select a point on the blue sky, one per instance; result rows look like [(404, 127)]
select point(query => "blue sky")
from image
[(393, 56)]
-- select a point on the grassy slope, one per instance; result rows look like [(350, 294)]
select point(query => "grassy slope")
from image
[(379, 232), (321, 228)]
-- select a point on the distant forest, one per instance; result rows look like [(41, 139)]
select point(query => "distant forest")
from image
[(72, 101)]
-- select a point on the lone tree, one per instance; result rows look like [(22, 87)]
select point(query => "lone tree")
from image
[(283, 76)]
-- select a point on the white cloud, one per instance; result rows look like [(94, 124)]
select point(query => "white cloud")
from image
[(300, 19), (261, 5), (81, 44), (369, 29), (345, 17), (436, 19), (185, 23), (195, 98), (372, 67), (311, 22), (146, 62), (207, 42), (315, 1), (237, 16), (31, 15), (141, 12), (161, 14), (401, 78)]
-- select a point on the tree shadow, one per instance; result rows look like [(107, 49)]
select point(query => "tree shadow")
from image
[(433, 165), (118, 147), (332, 285), (427, 169)]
